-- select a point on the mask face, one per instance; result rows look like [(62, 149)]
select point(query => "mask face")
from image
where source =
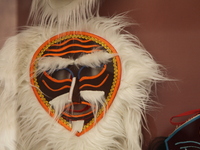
[(75, 77)]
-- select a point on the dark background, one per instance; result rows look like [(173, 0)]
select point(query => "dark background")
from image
[(168, 29)]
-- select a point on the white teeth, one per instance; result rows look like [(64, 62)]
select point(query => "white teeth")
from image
[(77, 126)]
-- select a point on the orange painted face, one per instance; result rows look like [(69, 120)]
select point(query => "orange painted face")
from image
[(81, 73)]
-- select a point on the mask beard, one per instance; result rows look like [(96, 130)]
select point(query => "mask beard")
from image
[(96, 100), (58, 104)]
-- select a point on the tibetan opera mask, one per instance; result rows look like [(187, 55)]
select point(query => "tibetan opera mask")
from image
[(187, 135), (75, 77)]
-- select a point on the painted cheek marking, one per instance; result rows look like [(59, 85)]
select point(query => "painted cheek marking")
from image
[(95, 86), (55, 80), (95, 76), (72, 88), (54, 90)]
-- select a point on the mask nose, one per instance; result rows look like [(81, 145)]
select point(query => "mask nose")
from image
[(74, 92)]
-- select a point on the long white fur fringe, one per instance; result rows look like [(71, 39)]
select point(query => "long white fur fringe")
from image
[(61, 13)]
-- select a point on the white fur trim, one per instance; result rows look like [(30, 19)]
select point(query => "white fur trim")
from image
[(8, 91), (61, 13), (94, 59), (51, 64), (94, 98), (59, 103)]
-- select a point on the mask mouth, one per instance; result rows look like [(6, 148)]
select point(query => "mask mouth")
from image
[(78, 111)]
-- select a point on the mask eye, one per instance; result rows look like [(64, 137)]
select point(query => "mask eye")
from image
[(62, 74)]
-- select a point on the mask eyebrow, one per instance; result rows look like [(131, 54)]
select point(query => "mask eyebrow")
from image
[(51, 64), (94, 59)]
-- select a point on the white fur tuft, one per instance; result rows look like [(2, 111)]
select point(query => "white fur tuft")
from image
[(8, 95), (94, 98), (94, 59), (61, 13), (51, 64), (59, 103)]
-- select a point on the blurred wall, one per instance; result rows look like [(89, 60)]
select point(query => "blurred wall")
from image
[(8, 19), (169, 30)]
